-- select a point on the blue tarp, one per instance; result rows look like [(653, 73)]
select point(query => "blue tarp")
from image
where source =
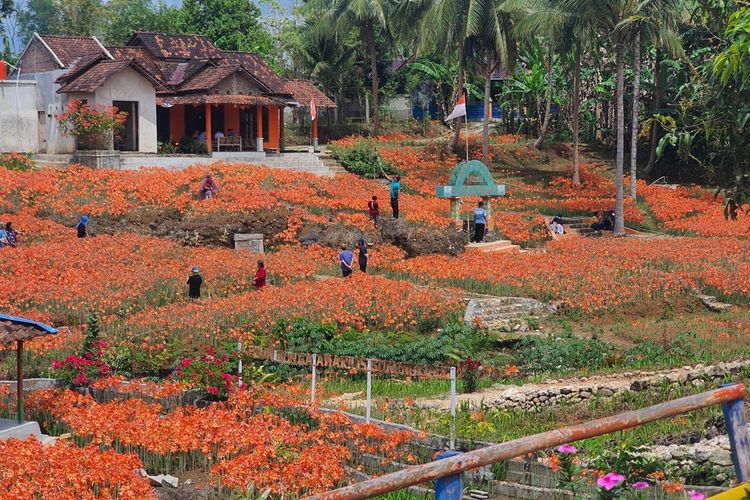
[(27, 322)]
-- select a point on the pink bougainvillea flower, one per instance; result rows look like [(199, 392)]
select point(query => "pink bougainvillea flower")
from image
[(640, 485), (212, 390), (611, 481), (567, 448), (695, 495)]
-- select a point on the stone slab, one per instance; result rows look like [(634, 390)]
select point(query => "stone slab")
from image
[(249, 242), (10, 428)]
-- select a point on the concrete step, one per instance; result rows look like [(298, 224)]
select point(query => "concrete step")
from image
[(492, 246)]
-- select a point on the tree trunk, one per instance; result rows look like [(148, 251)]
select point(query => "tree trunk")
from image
[(619, 229), (370, 42), (655, 108), (576, 118), (634, 130), (486, 124), (548, 105), (459, 92)]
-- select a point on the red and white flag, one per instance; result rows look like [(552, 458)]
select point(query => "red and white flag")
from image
[(459, 110), (313, 111)]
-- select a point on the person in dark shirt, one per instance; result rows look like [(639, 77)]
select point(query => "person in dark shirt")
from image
[(259, 281), (81, 226), (362, 255), (194, 284)]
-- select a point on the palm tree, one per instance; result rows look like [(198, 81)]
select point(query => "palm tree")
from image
[(456, 24), (557, 21), (655, 21), (368, 16), (622, 20)]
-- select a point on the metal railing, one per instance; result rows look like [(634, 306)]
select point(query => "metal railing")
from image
[(449, 470)]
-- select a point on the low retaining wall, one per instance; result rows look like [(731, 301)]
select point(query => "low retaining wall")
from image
[(574, 391)]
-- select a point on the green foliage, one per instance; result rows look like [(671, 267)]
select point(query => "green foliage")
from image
[(16, 161), (538, 355), (362, 159), (454, 341)]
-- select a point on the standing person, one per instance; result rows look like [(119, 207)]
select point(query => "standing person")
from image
[(362, 255), (11, 237), (374, 209), (346, 258), (81, 226), (3, 238), (480, 222), (194, 284), (395, 189), (259, 281)]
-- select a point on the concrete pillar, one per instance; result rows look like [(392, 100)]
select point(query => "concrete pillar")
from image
[(456, 209), (488, 208), (315, 134)]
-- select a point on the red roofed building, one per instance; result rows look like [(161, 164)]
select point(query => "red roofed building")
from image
[(172, 86)]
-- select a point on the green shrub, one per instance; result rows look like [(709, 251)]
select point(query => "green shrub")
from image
[(454, 341), (539, 355), (362, 159)]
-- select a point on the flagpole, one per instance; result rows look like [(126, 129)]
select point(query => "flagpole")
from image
[(466, 119)]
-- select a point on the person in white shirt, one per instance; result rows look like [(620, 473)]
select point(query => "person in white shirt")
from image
[(218, 134)]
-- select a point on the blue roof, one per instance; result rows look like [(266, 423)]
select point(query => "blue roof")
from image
[(27, 322)]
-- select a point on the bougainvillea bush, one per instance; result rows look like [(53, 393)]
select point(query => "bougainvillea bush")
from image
[(92, 126)]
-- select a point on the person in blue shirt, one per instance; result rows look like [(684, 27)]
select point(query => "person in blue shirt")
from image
[(346, 258), (480, 222), (81, 226), (395, 189)]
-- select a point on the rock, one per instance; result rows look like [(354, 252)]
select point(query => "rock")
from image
[(605, 392), (720, 457), (566, 390), (156, 480), (701, 454), (170, 481)]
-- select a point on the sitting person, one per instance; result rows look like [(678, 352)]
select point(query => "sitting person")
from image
[(208, 188), (606, 221), (556, 226), (219, 134), (231, 133), (202, 136)]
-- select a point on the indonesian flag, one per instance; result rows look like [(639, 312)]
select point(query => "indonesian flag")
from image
[(313, 111), (459, 110)]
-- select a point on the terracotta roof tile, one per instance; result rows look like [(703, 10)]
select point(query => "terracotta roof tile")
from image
[(257, 67), (144, 59), (303, 91), (208, 77), (69, 49), (177, 46), (94, 77)]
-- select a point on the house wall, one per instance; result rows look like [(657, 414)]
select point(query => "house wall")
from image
[(52, 104), (129, 85), (18, 117)]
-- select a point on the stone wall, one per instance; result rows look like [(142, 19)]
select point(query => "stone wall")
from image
[(573, 391)]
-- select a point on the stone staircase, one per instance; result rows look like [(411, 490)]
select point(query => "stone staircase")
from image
[(579, 226), (492, 246), (506, 314), (333, 165), (51, 161), (300, 162)]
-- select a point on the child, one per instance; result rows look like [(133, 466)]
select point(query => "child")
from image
[(374, 209), (259, 281)]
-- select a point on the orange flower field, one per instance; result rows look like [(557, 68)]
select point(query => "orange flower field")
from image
[(119, 299)]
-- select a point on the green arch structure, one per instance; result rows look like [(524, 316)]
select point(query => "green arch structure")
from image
[(457, 187)]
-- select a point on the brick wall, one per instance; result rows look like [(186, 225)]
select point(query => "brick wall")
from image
[(37, 59)]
